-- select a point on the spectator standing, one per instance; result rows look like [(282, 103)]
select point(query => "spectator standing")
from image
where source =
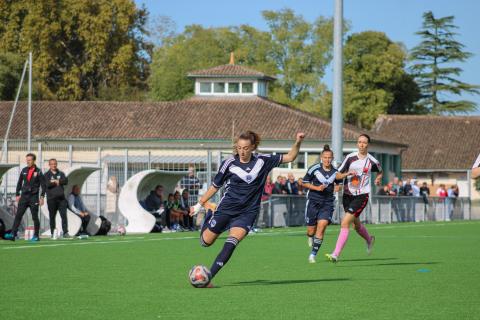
[(192, 184), (268, 190), (55, 181)]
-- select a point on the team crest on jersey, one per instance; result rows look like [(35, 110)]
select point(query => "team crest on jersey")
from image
[(249, 178), (213, 223)]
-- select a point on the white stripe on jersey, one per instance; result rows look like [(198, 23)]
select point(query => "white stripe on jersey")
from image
[(477, 163), (313, 168), (344, 163), (324, 180), (226, 164), (248, 177)]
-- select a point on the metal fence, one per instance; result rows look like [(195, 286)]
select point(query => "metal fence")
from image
[(119, 164), (289, 210)]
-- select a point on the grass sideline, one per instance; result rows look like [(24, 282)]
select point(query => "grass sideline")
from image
[(417, 271)]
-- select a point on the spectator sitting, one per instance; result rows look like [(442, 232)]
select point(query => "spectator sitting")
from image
[(292, 185), (154, 201), (177, 213), (268, 190), (167, 205), (192, 184), (76, 205), (187, 219)]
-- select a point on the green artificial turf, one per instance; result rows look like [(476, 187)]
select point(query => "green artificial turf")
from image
[(417, 271)]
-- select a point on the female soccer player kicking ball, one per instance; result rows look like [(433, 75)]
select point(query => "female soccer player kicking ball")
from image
[(321, 181), (244, 177), (356, 168)]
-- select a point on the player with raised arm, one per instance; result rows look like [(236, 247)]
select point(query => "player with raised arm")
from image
[(321, 181), (476, 168), (243, 176), (356, 170)]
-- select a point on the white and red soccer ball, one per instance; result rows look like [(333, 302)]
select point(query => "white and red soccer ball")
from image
[(199, 276)]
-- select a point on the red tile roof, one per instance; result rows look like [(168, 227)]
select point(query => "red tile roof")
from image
[(198, 118), (434, 142), (229, 70)]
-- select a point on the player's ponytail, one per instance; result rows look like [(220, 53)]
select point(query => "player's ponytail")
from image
[(326, 148), (250, 136)]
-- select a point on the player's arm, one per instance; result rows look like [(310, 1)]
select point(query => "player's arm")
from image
[(476, 173), (293, 153), (341, 176), (476, 168), (203, 202), (313, 187)]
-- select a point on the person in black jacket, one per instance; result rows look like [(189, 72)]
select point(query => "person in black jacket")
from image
[(30, 182), (56, 201)]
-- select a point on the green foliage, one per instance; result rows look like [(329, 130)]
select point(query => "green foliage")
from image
[(11, 67), (433, 67), (199, 48), (477, 184), (79, 47), (375, 79), (295, 51)]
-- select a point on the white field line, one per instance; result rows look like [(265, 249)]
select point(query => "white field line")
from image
[(268, 233)]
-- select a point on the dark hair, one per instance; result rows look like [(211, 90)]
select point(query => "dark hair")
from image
[(366, 136), (170, 195), (326, 148), (158, 187), (53, 159), (250, 136), (34, 157)]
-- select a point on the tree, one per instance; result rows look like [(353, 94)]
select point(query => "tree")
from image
[(434, 70), (301, 51), (80, 47), (375, 79), (10, 73), (199, 48)]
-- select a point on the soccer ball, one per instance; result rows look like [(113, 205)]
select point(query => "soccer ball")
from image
[(199, 276), (121, 230)]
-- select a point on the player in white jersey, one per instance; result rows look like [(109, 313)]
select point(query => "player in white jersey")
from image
[(476, 168), (356, 170)]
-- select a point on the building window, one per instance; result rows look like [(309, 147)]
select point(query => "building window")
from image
[(205, 87), (247, 87), (313, 158), (299, 162), (219, 87), (233, 87)]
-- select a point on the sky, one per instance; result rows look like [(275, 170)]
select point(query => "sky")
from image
[(399, 19)]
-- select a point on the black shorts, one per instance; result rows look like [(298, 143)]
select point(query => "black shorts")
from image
[(221, 221), (355, 204), (318, 210)]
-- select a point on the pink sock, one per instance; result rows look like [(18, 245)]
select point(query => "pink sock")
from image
[(342, 239), (362, 231)]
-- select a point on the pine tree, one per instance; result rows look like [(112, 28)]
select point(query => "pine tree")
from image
[(434, 70)]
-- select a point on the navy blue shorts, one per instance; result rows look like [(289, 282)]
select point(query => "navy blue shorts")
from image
[(221, 221), (318, 210)]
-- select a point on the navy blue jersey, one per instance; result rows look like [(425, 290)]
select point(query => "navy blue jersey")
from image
[(317, 176), (244, 182)]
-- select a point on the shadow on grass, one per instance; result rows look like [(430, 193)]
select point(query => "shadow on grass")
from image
[(390, 264), (276, 282), (367, 259)]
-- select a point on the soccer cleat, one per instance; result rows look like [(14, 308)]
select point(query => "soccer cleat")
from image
[(311, 258), (9, 236), (310, 241), (331, 257), (35, 239), (370, 245), (53, 237), (66, 236)]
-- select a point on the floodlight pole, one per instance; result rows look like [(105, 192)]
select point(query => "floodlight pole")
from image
[(29, 132), (337, 107)]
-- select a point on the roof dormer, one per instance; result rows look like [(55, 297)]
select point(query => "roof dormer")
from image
[(230, 80)]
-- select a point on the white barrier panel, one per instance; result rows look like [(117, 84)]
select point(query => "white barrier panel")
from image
[(4, 214), (137, 188), (77, 175)]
